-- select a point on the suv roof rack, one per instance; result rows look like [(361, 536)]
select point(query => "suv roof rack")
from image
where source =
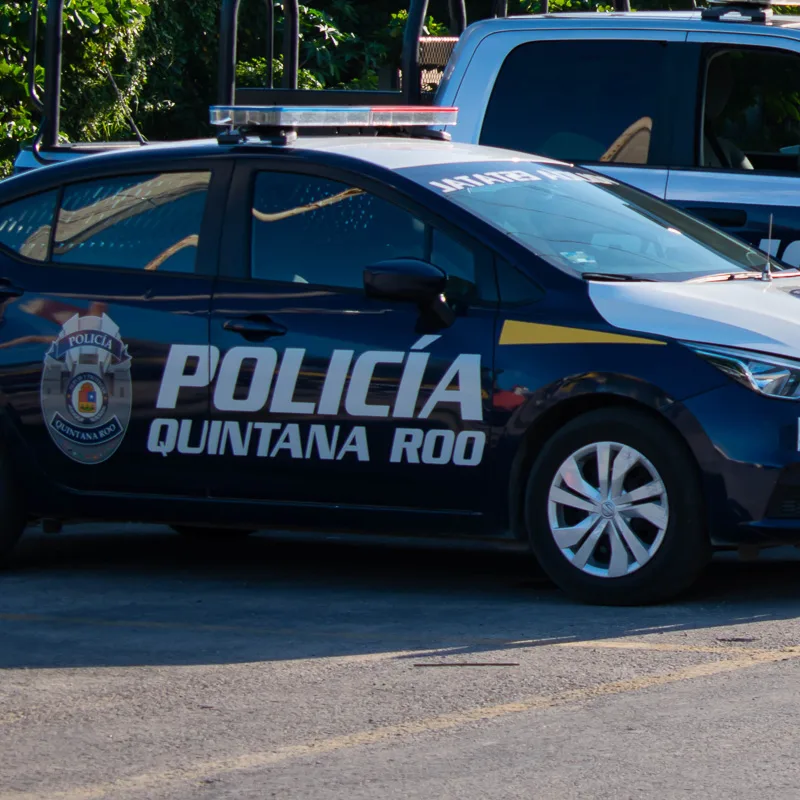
[(422, 58)]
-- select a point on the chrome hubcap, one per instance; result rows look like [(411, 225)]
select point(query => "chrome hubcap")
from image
[(607, 509)]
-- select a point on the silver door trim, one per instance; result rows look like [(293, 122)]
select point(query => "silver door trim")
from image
[(652, 180), (732, 187)]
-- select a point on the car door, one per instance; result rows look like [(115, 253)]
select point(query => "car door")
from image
[(325, 396), (109, 273), (742, 172), (571, 95)]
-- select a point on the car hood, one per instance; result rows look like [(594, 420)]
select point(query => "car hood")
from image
[(752, 314)]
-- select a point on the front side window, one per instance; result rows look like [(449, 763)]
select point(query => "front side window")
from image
[(583, 222), (148, 222), (316, 231), (751, 110), (25, 225), (592, 100), (312, 230)]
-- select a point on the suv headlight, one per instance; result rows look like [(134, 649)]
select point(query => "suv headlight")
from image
[(769, 375)]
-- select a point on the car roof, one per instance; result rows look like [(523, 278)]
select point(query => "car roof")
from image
[(401, 153), (388, 152)]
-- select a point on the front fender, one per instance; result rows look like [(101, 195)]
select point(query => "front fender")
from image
[(525, 429)]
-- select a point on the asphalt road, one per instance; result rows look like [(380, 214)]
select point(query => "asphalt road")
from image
[(135, 664)]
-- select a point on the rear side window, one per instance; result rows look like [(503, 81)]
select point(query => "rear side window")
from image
[(149, 222), (25, 225), (581, 101)]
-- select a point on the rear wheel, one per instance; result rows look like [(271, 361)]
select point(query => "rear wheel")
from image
[(614, 510)]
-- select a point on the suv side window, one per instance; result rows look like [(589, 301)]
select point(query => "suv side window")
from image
[(25, 225), (587, 101), (150, 222), (751, 110), (312, 230)]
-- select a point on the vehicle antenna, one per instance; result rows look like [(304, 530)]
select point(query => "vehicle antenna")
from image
[(126, 110), (766, 273)]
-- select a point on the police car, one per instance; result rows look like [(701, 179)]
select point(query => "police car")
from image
[(394, 333)]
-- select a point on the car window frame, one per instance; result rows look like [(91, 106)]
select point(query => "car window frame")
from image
[(237, 234)]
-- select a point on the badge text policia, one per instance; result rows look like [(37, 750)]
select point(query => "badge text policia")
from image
[(86, 389)]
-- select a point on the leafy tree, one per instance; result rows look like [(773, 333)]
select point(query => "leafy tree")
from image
[(99, 39)]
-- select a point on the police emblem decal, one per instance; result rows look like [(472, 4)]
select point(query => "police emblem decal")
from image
[(86, 389)]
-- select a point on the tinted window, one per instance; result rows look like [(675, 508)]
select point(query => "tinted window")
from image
[(25, 225), (751, 105), (310, 230), (515, 288), (464, 281), (149, 222), (581, 221), (579, 101)]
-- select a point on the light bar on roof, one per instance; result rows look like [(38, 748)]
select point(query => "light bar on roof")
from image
[(332, 116)]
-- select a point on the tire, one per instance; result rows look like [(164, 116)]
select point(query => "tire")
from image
[(647, 550), (12, 516), (210, 533)]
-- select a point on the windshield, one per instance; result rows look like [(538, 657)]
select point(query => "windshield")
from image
[(584, 222)]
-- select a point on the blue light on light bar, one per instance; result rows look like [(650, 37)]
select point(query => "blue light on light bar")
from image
[(331, 116)]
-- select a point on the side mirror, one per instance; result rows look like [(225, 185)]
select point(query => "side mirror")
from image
[(414, 281), (404, 279)]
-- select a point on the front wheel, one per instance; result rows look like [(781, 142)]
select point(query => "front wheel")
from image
[(614, 510)]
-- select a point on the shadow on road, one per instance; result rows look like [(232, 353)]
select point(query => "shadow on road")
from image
[(122, 597)]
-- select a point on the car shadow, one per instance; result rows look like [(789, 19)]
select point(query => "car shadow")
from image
[(104, 595)]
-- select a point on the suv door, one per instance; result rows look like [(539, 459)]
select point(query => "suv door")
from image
[(103, 276), (325, 397), (572, 95), (742, 172)]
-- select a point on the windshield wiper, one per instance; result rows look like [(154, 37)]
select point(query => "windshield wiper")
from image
[(611, 276), (743, 276)]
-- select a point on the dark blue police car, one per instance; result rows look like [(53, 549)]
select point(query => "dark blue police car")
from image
[(394, 334)]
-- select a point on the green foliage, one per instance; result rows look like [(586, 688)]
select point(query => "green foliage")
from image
[(255, 73), (99, 38)]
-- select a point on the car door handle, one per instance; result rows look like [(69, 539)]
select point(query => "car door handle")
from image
[(255, 329), (8, 289)]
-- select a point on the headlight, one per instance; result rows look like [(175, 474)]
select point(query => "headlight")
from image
[(769, 375)]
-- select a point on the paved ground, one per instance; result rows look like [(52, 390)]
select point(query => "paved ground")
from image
[(136, 665)]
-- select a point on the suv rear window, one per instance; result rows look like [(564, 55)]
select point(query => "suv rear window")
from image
[(588, 101), (25, 225)]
